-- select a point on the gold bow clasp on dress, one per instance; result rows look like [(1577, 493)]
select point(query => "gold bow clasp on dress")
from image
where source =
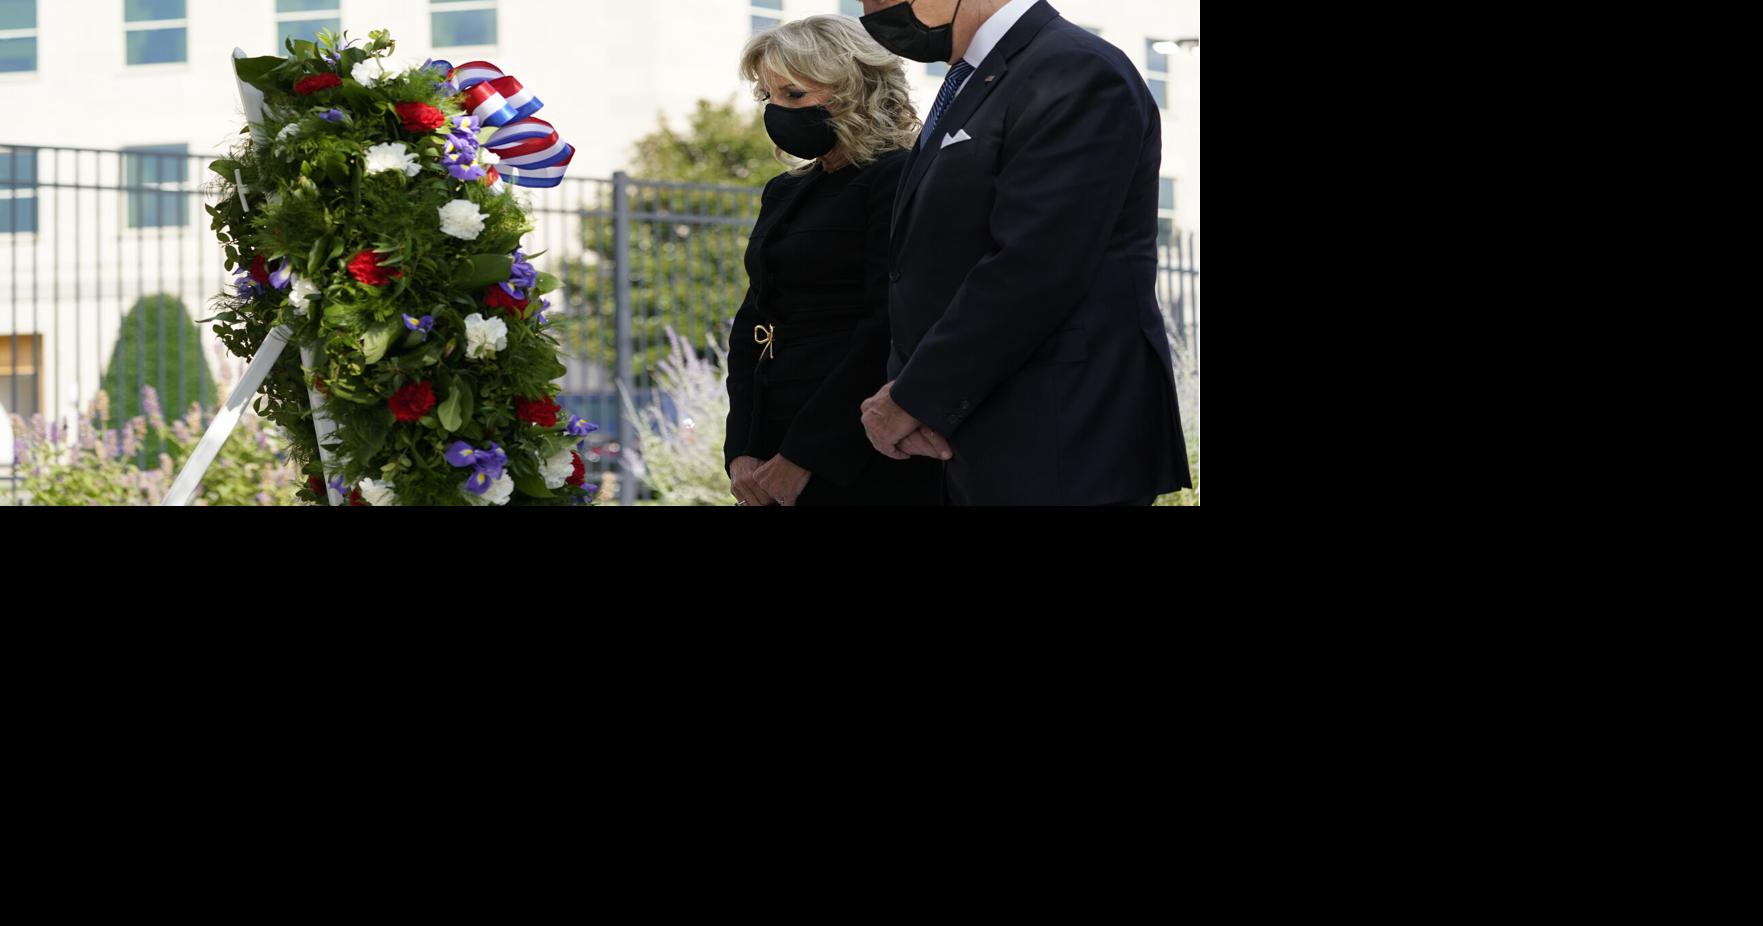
[(766, 337)]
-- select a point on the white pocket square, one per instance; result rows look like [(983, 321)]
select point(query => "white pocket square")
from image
[(956, 139)]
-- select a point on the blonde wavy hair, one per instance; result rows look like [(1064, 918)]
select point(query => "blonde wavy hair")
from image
[(870, 101)]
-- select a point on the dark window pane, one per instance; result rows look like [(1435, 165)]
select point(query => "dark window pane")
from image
[(851, 7), (156, 46), (18, 14), (156, 210), (1160, 92), (464, 27), (148, 167), (304, 6), (158, 164), (141, 10), (1154, 59), (18, 168), (20, 388), (936, 68), (18, 214), (1166, 193), (769, 4), (1165, 230), (764, 23), (305, 29), (18, 55)]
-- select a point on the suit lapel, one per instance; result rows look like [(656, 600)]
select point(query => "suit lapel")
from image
[(980, 85)]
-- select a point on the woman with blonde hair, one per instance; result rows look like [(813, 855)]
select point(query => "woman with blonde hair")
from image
[(810, 340)]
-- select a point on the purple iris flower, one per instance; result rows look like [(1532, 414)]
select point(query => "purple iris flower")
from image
[(462, 454), (521, 278), (498, 460), (580, 427), (245, 286), (424, 324), (332, 115), (280, 272), (488, 464), (467, 171), (337, 484)]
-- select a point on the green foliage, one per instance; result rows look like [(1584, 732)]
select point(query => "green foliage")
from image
[(157, 344), (685, 274), (315, 204)]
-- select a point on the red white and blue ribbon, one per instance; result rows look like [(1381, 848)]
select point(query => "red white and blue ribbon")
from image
[(531, 152)]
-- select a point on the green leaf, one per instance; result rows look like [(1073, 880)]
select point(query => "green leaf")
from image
[(377, 341), (449, 412), (529, 483), (457, 408), (547, 283), (317, 255), (255, 71), (226, 168), (482, 271)]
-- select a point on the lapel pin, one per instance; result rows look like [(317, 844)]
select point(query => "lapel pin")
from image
[(991, 78)]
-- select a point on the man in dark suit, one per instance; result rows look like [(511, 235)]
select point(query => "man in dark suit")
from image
[(1028, 347)]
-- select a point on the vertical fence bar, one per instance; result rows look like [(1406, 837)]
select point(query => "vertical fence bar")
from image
[(621, 259)]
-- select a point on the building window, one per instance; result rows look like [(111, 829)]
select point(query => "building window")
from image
[(1093, 30), (1165, 210), (937, 68), (767, 14), (453, 23), (18, 375), (302, 19), (18, 190), (155, 177), (851, 8), (155, 31), (18, 35), (1157, 72)]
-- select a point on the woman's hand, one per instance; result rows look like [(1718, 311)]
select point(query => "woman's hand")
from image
[(782, 480), (742, 484)]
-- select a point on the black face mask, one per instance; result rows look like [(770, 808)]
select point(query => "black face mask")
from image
[(806, 133), (898, 30)]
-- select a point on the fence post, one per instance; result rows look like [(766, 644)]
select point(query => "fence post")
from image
[(621, 289)]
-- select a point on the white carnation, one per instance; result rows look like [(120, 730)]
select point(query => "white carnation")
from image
[(462, 219), (558, 469), (498, 493), (378, 494), (300, 293), (288, 131), (370, 72), (488, 158), (392, 156), (483, 338)]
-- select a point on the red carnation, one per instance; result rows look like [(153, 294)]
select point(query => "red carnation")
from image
[(498, 298), (318, 385), (316, 83), (259, 270), (541, 411), (413, 401), (581, 469), (355, 499), (315, 484), (420, 117), (365, 267)]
